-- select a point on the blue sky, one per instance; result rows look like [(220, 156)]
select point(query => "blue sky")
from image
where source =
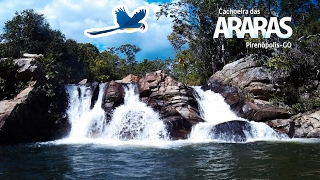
[(72, 17)]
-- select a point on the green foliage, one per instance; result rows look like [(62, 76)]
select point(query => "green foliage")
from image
[(187, 69), (280, 62), (194, 23), (48, 89), (28, 32), (106, 66), (2, 88), (129, 51), (146, 65), (287, 94), (7, 63), (19, 86)]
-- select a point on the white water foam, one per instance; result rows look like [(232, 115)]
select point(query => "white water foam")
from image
[(214, 110), (135, 120), (86, 122), (136, 124)]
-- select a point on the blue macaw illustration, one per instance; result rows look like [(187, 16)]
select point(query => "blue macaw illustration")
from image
[(124, 21)]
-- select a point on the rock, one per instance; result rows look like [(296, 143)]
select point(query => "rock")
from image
[(260, 90), (231, 131), (36, 56), (283, 125), (247, 88), (307, 125), (262, 111), (32, 117), (242, 72), (29, 69), (83, 82), (247, 75), (113, 97), (177, 126), (58, 125), (174, 101), (95, 93), (150, 81), (231, 94), (129, 79)]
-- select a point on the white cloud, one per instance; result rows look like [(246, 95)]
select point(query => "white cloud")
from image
[(72, 17)]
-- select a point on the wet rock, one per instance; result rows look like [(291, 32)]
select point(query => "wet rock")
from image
[(283, 125), (177, 126), (113, 97), (174, 101), (231, 131), (95, 93), (231, 94)]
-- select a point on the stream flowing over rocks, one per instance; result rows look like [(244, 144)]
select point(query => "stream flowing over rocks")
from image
[(245, 86)]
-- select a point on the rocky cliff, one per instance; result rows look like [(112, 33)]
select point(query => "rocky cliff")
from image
[(247, 87), (32, 115)]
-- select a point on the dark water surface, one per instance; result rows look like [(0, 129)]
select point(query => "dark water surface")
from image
[(256, 160)]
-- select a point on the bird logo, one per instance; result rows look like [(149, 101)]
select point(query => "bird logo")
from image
[(124, 22)]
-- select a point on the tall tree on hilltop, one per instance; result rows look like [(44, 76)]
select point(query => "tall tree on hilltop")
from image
[(28, 32)]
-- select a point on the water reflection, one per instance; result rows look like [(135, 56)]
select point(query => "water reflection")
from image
[(257, 160), (33, 162)]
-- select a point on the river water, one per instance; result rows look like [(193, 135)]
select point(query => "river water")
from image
[(135, 145), (293, 159)]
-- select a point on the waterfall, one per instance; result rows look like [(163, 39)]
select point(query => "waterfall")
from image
[(214, 110), (135, 120), (86, 122)]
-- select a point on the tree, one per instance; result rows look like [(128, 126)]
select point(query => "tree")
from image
[(129, 51), (152, 65), (194, 23), (28, 32)]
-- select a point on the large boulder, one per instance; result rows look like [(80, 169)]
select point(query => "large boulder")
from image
[(113, 97), (173, 100), (306, 125), (32, 116), (231, 131), (247, 87), (247, 74), (260, 90), (262, 111), (30, 69)]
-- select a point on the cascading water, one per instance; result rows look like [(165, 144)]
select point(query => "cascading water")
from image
[(214, 110), (135, 120), (86, 122)]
